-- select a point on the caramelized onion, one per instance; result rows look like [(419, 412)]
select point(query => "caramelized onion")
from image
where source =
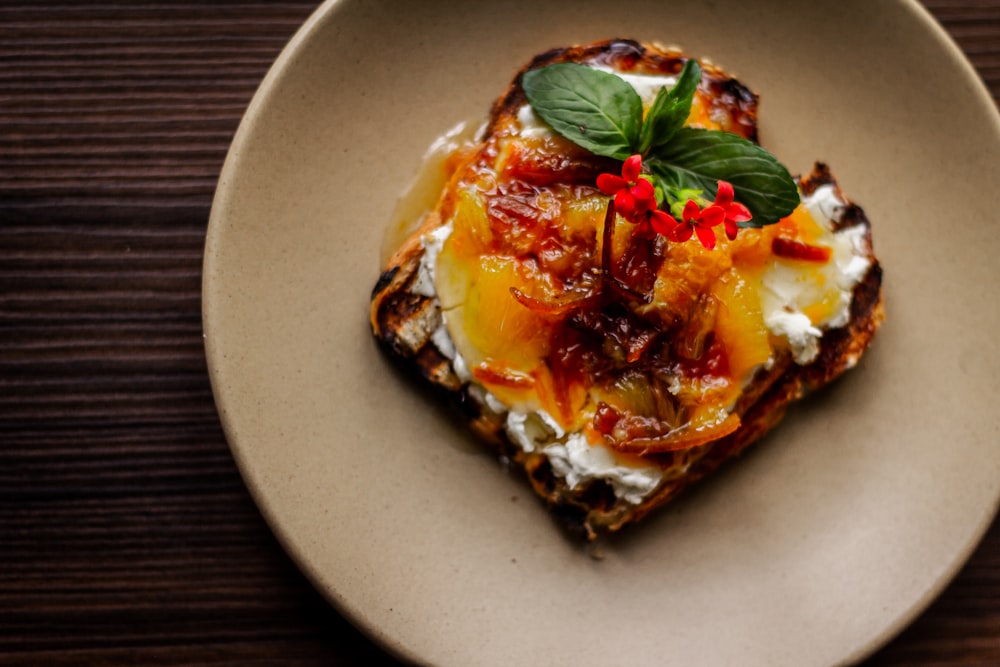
[(641, 261), (555, 161), (561, 305), (607, 271), (639, 343), (684, 437), (504, 377), (695, 339), (638, 434)]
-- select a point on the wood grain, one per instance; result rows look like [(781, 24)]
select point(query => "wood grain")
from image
[(126, 534)]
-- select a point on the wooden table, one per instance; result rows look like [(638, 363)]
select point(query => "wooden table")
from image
[(126, 533)]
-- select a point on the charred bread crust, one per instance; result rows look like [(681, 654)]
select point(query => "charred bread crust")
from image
[(403, 323), (626, 55)]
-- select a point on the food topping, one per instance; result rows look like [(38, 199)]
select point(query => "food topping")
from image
[(571, 291)]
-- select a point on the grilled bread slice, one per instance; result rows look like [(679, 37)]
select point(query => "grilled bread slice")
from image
[(610, 405)]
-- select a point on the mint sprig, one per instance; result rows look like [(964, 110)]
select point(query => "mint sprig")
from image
[(699, 159), (595, 110), (670, 109), (603, 114)]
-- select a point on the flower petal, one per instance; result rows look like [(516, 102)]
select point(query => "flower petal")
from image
[(711, 216), (610, 184), (724, 196), (682, 232), (645, 196), (691, 211), (731, 229), (663, 223), (631, 168), (737, 212), (625, 203), (644, 230), (643, 188), (706, 236)]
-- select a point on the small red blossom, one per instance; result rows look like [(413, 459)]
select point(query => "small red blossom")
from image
[(699, 221), (735, 212), (634, 195), (654, 222), (662, 222)]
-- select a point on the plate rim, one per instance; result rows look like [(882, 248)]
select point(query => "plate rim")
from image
[(324, 13)]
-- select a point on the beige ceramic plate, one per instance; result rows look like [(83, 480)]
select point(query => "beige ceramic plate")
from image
[(814, 549)]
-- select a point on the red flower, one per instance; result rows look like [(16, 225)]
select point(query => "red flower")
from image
[(655, 222), (735, 212), (662, 222), (633, 195), (699, 221)]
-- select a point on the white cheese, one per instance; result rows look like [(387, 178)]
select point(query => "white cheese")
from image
[(531, 430), (852, 264), (443, 342), (803, 337), (461, 368), (432, 242), (578, 461), (486, 398), (790, 287), (532, 126), (647, 85), (823, 204)]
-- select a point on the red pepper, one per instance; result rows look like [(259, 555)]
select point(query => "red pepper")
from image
[(792, 249)]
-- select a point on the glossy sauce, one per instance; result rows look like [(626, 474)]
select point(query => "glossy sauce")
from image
[(423, 192)]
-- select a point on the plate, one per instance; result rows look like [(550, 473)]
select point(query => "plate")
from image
[(815, 549)]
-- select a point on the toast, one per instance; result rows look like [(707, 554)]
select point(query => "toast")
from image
[(614, 398)]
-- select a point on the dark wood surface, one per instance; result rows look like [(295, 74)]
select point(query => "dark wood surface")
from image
[(126, 534)]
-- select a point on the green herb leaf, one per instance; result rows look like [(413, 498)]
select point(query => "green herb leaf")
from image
[(698, 159), (592, 108), (670, 108)]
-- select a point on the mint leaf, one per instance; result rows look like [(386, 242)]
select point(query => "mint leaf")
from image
[(697, 159), (596, 110), (670, 109)]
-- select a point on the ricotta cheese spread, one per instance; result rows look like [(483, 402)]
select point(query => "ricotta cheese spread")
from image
[(789, 289)]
